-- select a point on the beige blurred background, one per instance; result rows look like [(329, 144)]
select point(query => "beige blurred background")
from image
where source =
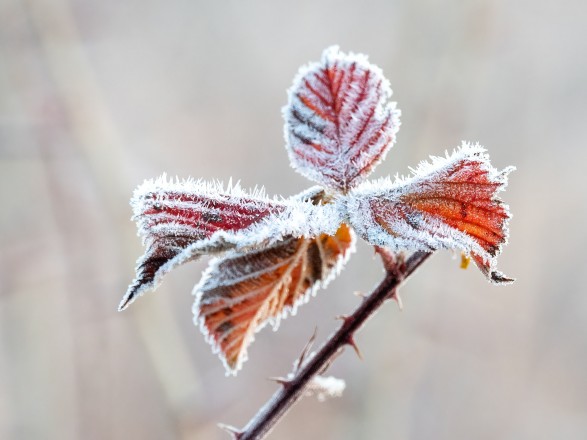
[(96, 96)]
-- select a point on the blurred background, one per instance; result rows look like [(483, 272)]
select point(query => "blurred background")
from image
[(97, 96)]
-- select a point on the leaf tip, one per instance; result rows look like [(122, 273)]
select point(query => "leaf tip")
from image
[(123, 304), (500, 278)]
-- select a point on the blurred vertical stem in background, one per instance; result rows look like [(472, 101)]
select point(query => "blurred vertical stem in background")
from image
[(102, 151)]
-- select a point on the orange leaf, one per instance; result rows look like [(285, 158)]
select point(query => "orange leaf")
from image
[(240, 293), (451, 204)]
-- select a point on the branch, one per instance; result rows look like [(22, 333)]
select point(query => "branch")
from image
[(293, 389)]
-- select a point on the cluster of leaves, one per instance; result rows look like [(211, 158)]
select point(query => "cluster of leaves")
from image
[(273, 253)]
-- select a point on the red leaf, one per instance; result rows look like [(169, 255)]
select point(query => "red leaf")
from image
[(179, 221), (451, 203), (241, 292), (339, 123)]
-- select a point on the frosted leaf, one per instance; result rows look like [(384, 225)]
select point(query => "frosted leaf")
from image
[(241, 292), (450, 203), (181, 220), (338, 122)]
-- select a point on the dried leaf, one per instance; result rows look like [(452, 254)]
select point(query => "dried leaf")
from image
[(242, 292), (450, 203), (339, 123)]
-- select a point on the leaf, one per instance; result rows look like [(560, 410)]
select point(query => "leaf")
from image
[(180, 221), (451, 203), (242, 292), (338, 122)]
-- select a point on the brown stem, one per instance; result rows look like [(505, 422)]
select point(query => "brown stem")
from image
[(293, 389)]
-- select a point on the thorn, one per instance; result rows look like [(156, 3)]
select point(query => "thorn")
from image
[(351, 341), (330, 361), (398, 299), (234, 432), (305, 351), (346, 319), (360, 294), (284, 382), (343, 318)]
